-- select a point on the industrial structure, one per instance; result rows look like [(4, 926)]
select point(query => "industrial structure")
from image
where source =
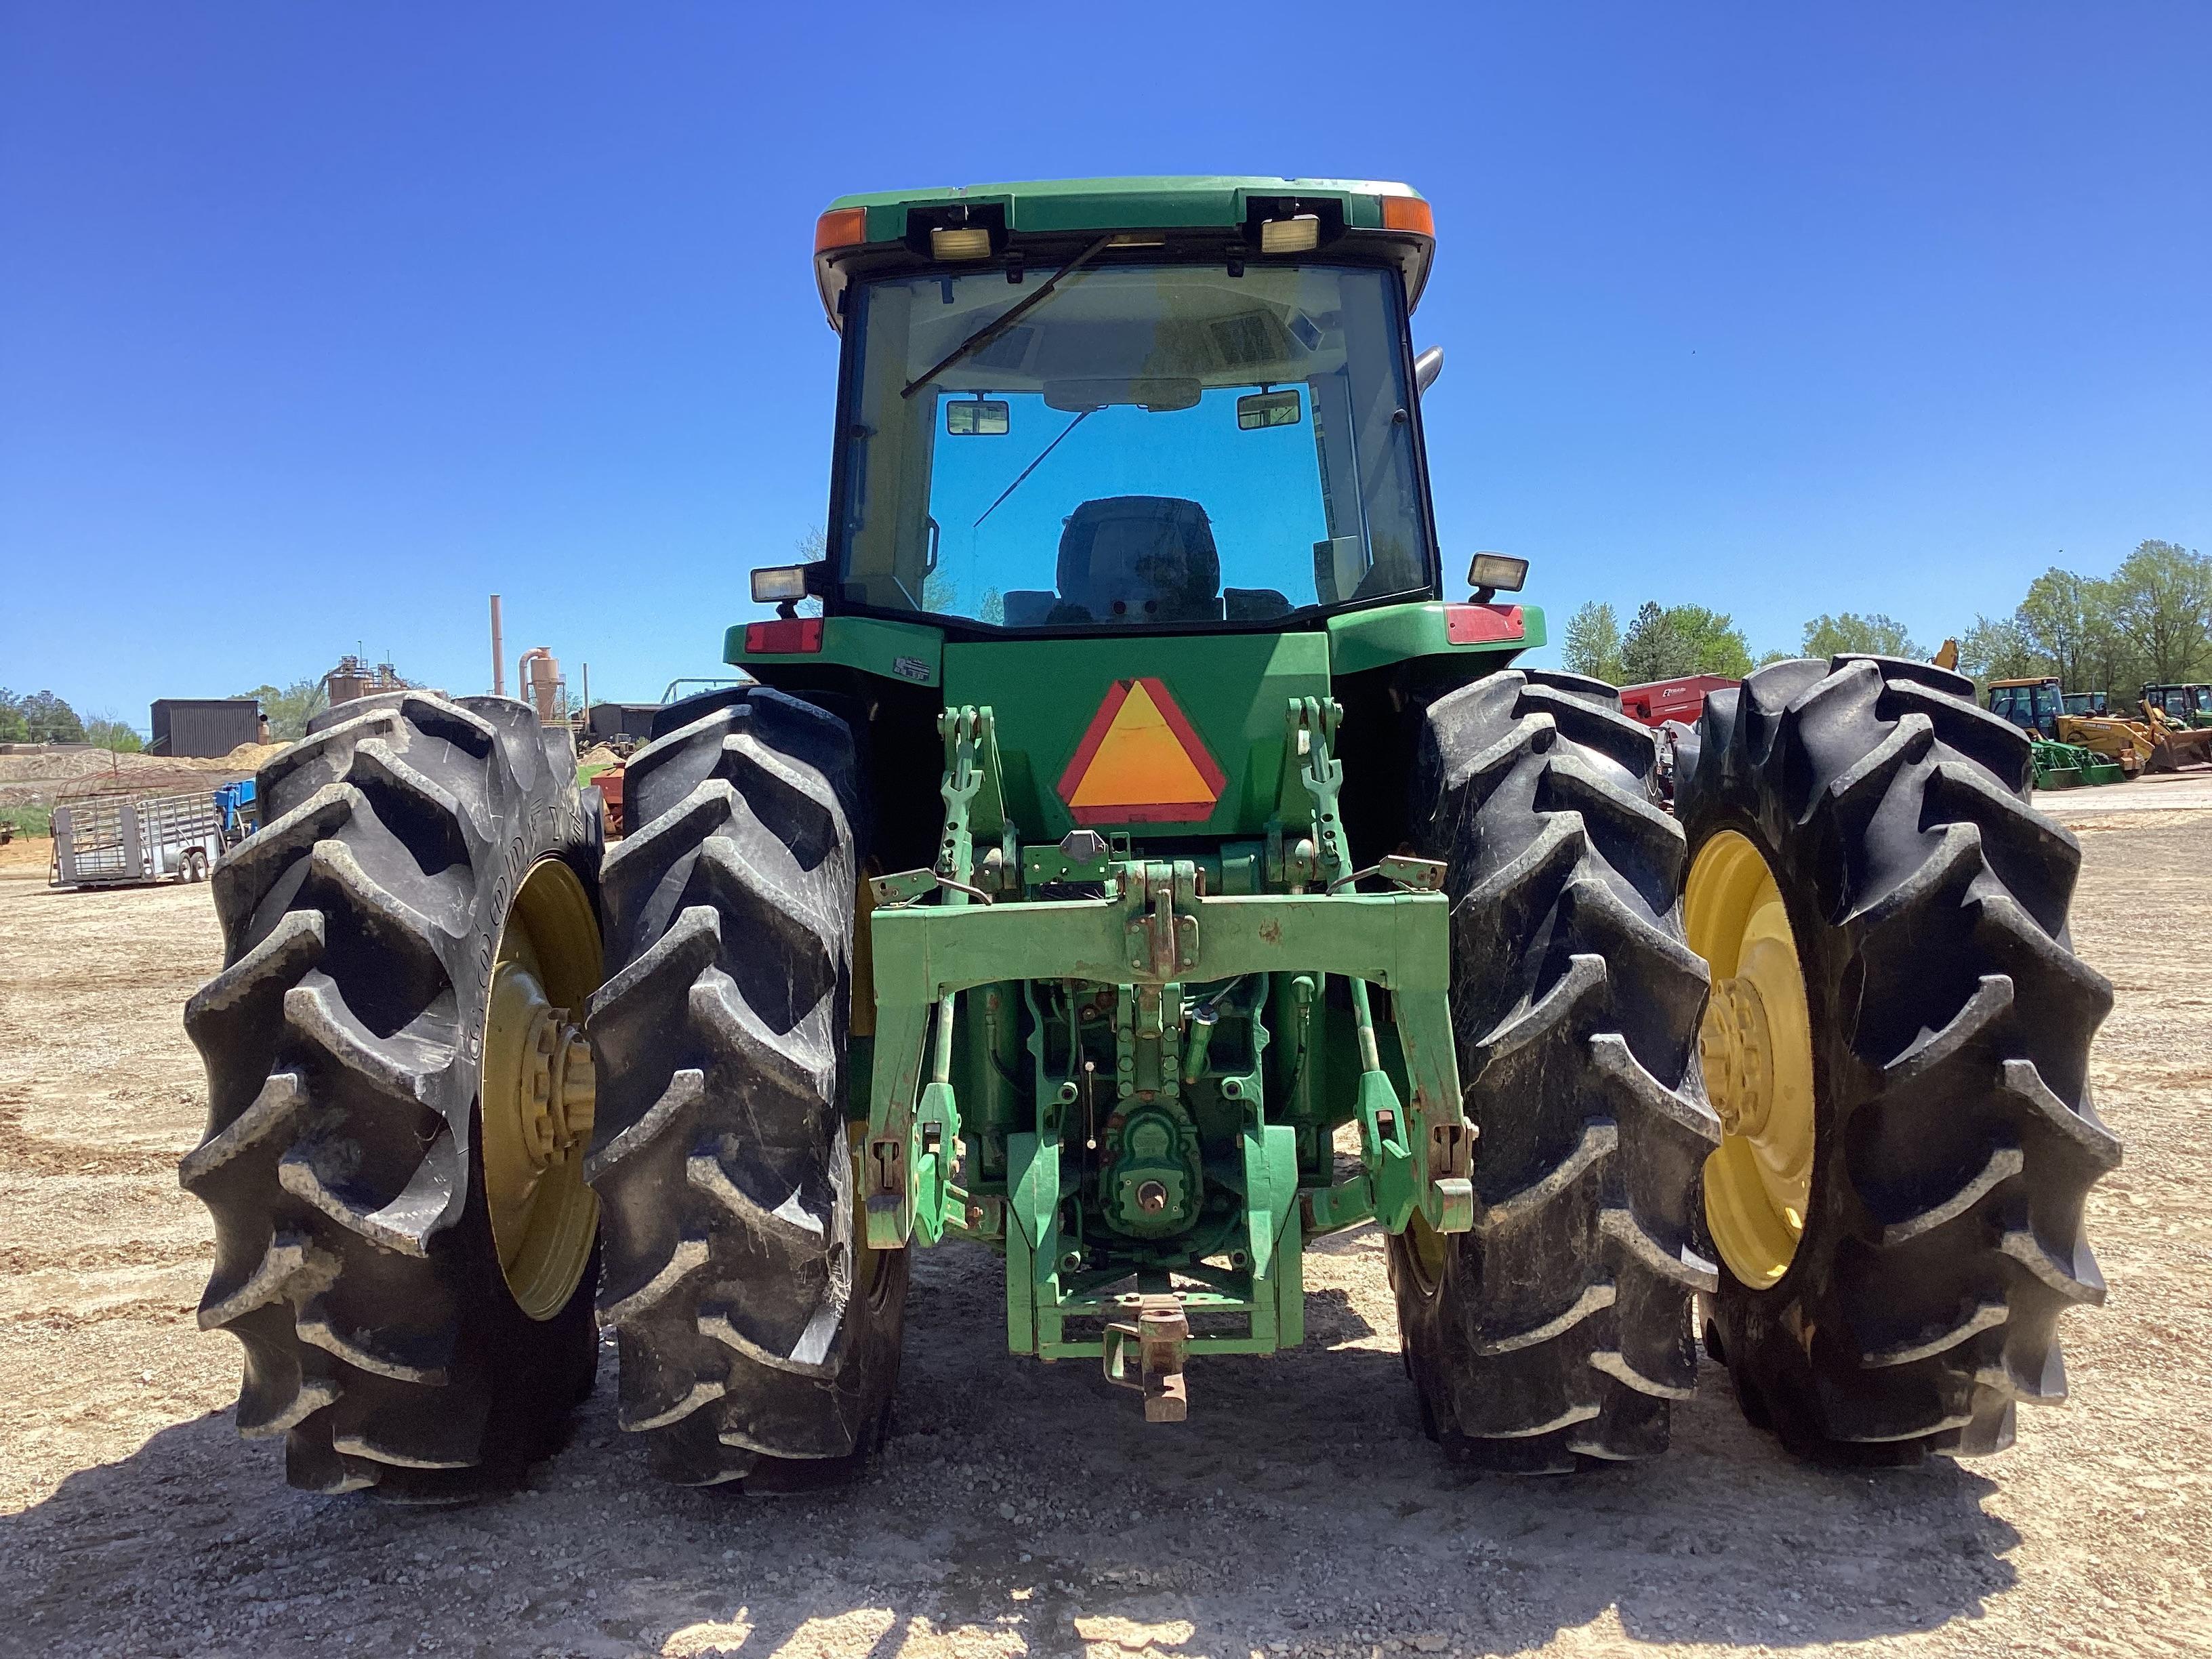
[(205, 728), (355, 678)]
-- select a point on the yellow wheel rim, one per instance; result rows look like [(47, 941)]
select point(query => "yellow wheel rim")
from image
[(537, 1089), (870, 1268), (1425, 1249), (1756, 1046)]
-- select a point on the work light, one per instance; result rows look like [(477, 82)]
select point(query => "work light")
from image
[(1489, 573), (779, 585), (960, 242)]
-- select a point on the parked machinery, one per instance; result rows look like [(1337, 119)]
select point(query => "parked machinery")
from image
[(2118, 749), (2189, 705), (1124, 830)]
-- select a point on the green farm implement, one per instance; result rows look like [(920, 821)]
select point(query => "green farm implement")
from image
[(1135, 855), (2069, 766)]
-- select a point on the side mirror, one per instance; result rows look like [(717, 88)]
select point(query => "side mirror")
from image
[(977, 417), (1426, 367)]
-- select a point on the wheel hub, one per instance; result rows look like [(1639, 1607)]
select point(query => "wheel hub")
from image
[(1736, 1046), (538, 1087), (1756, 1048), (558, 1087)]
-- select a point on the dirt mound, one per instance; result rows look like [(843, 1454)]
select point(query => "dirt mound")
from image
[(44, 776), (252, 756)]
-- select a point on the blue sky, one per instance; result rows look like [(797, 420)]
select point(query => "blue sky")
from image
[(319, 323)]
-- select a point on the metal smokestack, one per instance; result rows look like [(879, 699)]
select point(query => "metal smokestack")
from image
[(498, 654)]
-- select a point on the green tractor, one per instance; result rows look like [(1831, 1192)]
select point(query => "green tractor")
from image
[(2187, 706), (1145, 863)]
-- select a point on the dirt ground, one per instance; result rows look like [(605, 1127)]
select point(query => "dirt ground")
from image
[(1026, 1508)]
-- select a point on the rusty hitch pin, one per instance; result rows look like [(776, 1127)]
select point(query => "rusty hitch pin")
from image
[(1159, 1335)]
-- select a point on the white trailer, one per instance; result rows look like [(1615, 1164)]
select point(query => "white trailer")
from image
[(106, 841)]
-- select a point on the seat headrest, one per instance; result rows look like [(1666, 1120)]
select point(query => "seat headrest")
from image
[(1153, 555)]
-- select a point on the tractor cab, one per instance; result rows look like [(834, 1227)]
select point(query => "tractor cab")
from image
[(2185, 705), (1115, 451), (2087, 704), (2034, 705), (1150, 446)]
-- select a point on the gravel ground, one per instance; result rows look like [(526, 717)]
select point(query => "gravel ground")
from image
[(1026, 1508)]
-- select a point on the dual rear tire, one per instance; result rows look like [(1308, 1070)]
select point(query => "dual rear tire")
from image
[(1884, 1219), (404, 1108)]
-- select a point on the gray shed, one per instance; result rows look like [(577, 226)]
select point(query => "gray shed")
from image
[(204, 727)]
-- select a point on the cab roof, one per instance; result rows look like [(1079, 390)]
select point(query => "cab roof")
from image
[(1049, 207)]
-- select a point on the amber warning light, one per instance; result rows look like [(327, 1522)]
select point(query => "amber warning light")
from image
[(1408, 213), (840, 227)]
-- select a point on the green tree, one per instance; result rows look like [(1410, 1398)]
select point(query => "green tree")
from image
[(105, 731), (1871, 634), (47, 719), (2112, 663), (1652, 649), (2059, 619), (1994, 648), (940, 594), (2161, 599), (13, 728), (1715, 644), (290, 709), (1593, 643), (1667, 643)]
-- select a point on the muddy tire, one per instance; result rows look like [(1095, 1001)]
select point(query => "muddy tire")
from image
[(759, 1339), (1559, 1329), (1952, 1137), (343, 1163)]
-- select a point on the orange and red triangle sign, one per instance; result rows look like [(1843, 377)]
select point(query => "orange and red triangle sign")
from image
[(1141, 762)]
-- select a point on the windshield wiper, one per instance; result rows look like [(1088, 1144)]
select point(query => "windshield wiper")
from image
[(991, 330), (1036, 464)]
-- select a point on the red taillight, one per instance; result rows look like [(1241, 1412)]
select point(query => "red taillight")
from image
[(781, 639), (1481, 625), (840, 227)]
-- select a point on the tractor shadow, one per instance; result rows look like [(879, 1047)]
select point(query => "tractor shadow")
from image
[(1025, 1507)]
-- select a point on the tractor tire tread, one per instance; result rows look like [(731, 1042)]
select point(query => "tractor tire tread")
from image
[(720, 1151), (1558, 1331), (1958, 1140), (352, 1260)]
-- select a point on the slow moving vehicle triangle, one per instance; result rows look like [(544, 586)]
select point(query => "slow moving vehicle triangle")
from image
[(1141, 762)]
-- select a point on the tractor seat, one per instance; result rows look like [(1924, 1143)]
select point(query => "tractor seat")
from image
[(1138, 559)]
